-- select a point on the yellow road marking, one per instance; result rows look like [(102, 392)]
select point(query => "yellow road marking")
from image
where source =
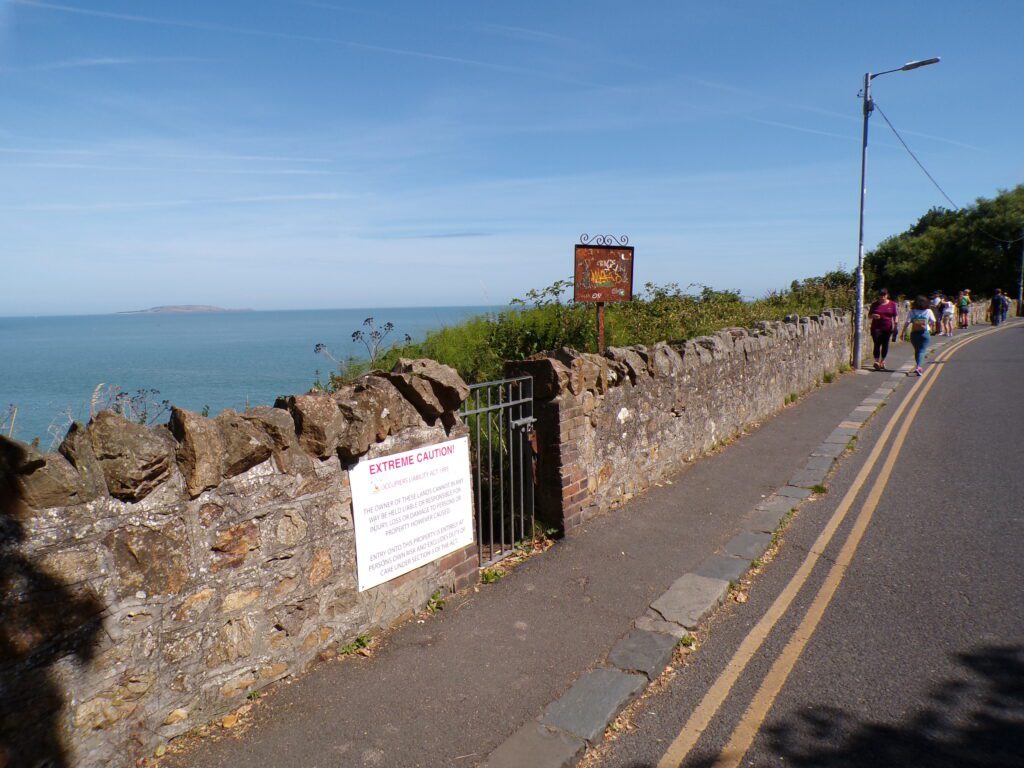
[(745, 731), (717, 693)]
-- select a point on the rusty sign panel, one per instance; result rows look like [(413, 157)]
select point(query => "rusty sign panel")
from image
[(603, 273)]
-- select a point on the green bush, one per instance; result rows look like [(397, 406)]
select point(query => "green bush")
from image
[(544, 320)]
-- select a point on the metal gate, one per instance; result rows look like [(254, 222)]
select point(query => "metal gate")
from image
[(499, 415)]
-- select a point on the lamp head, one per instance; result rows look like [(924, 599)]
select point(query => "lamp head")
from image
[(915, 64)]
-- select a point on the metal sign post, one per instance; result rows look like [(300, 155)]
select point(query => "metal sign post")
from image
[(603, 272)]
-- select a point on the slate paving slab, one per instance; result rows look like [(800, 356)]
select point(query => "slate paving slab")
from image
[(652, 621), (794, 492), (818, 462), (749, 544), (587, 708), (640, 651), (538, 746), (725, 567), (780, 504), (690, 598), (808, 477), (841, 435), (765, 521), (830, 449)]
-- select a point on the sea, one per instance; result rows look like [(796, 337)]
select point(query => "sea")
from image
[(51, 366)]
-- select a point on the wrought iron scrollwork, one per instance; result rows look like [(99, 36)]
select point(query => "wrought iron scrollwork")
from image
[(586, 239)]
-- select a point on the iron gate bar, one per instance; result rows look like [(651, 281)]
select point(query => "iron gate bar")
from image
[(502, 461)]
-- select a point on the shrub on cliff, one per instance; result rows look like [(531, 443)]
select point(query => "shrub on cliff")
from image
[(545, 319)]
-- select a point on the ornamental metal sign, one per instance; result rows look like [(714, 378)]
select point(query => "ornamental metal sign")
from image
[(603, 269)]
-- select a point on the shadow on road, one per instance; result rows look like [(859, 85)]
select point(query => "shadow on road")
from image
[(973, 721), (42, 621)]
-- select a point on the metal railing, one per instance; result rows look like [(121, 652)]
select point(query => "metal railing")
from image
[(499, 415)]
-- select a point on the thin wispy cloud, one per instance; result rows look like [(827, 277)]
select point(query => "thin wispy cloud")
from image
[(297, 37), (101, 61), (855, 118), (186, 202), (174, 169), (423, 235), (801, 128), (156, 155)]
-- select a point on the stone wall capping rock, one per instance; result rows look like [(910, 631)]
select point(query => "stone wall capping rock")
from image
[(373, 408), (433, 388), (199, 450), (245, 443), (49, 480), (279, 425), (318, 422), (77, 449), (134, 459)]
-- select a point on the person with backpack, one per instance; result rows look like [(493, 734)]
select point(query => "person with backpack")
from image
[(885, 323), (921, 323), (963, 308)]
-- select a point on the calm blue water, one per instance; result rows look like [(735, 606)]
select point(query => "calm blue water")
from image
[(224, 360)]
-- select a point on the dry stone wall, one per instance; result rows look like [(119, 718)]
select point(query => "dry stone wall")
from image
[(151, 579), (611, 426)]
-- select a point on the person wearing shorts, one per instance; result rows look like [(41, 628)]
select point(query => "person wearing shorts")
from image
[(947, 316), (920, 322), (885, 321)]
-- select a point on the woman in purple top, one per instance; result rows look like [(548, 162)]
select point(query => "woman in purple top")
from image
[(884, 314)]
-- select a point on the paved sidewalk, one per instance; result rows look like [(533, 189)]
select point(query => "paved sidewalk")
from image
[(528, 670)]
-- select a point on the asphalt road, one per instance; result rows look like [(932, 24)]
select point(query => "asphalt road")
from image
[(918, 659)]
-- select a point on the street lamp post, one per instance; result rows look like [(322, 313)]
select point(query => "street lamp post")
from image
[(858, 334)]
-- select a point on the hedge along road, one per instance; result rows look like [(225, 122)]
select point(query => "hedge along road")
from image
[(722, 699)]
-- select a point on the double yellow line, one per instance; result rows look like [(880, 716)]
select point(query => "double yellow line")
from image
[(746, 730)]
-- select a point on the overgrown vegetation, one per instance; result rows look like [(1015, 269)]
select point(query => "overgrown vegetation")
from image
[(978, 247), (546, 319)]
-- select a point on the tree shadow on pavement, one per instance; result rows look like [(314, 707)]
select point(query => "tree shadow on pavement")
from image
[(974, 721), (42, 621)]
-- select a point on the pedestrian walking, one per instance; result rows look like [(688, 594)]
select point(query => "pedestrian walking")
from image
[(920, 323), (946, 319), (998, 307), (885, 323), (963, 308), (1006, 306)]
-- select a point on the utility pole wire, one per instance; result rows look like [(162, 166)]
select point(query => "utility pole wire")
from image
[(931, 178)]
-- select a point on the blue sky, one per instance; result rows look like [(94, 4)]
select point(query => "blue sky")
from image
[(280, 154)]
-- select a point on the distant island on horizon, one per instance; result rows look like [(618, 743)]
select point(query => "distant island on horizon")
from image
[(180, 309)]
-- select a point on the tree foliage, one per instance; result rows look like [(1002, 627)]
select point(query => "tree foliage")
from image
[(978, 247)]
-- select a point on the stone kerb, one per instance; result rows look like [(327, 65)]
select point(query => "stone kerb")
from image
[(608, 427), (157, 576)]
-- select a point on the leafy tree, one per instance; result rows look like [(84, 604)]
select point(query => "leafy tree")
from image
[(978, 247)]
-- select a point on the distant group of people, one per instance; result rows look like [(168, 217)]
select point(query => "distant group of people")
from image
[(927, 317)]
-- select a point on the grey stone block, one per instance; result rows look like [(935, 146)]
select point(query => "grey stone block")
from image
[(830, 449), (652, 621), (858, 417), (587, 708), (765, 521), (641, 651), (748, 544), (780, 504), (818, 462), (536, 745), (841, 435), (808, 477), (723, 567), (690, 598), (793, 492)]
